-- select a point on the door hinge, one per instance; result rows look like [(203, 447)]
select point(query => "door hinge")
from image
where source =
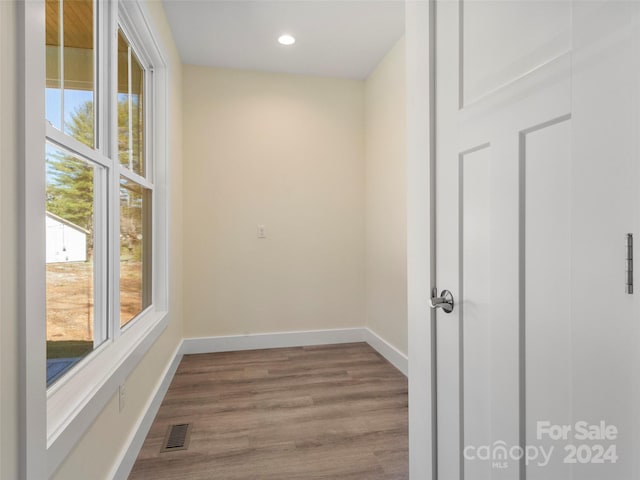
[(629, 269)]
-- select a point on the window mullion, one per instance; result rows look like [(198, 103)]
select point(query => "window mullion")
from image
[(149, 113), (78, 148), (130, 110), (125, 172), (114, 177), (61, 61), (100, 252), (114, 249), (100, 240), (101, 76)]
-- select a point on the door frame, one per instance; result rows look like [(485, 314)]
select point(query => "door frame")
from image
[(420, 58)]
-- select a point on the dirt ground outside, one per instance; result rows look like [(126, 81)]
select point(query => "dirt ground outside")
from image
[(70, 298)]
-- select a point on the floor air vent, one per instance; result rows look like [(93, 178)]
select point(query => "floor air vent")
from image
[(177, 438)]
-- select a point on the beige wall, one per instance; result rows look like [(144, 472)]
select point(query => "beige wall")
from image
[(385, 204), (8, 245), (285, 151)]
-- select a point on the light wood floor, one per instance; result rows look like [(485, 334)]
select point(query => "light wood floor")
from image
[(334, 412)]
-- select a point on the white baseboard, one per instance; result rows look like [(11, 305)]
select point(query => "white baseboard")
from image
[(261, 341), (136, 439), (394, 356), (247, 342)]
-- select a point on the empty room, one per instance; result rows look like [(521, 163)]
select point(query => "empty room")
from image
[(319, 239)]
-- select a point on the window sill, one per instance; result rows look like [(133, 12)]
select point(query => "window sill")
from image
[(75, 401)]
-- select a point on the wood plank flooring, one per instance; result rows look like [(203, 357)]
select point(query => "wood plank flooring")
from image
[(334, 412)]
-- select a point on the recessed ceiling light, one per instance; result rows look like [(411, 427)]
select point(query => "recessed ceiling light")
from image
[(286, 40)]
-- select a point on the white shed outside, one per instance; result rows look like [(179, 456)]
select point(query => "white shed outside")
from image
[(66, 242)]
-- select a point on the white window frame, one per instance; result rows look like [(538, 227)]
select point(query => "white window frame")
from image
[(52, 421)]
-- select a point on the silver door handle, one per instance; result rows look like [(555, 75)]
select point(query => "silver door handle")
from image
[(444, 301)]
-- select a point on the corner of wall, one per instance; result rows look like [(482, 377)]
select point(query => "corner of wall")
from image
[(385, 199)]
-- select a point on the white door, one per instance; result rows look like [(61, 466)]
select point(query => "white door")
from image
[(536, 174)]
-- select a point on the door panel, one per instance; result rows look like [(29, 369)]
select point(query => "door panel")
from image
[(546, 172), (475, 245), (536, 187), (520, 36)]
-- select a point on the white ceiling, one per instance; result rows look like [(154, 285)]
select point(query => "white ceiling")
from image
[(343, 38)]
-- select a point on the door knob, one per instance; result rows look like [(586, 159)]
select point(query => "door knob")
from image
[(444, 301)]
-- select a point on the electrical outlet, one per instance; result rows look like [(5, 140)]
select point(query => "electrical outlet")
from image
[(121, 397), (261, 232)]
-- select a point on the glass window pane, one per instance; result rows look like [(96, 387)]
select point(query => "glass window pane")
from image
[(53, 58), (70, 266), (70, 81), (135, 249), (78, 70), (130, 108)]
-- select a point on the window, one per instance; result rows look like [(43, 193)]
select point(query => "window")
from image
[(101, 300), (70, 66), (135, 249), (84, 183), (73, 324), (130, 108), (75, 189), (135, 198)]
